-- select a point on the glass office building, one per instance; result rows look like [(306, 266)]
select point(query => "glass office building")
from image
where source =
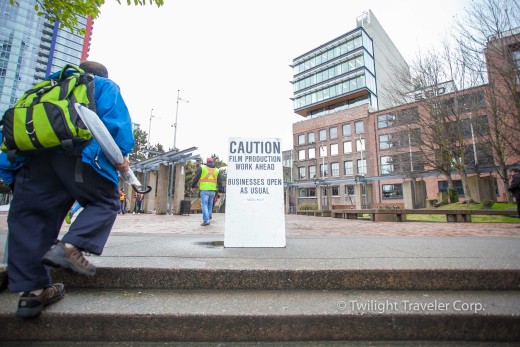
[(32, 48), (345, 72), (338, 74)]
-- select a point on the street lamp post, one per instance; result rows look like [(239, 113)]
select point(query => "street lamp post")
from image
[(176, 116), (149, 129), (322, 151), (410, 149), (475, 157), (362, 170), (411, 168), (174, 148)]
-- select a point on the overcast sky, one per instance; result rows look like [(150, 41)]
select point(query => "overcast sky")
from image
[(230, 59)]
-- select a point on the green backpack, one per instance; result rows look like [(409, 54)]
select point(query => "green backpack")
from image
[(45, 117)]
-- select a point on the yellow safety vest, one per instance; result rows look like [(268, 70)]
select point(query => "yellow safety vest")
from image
[(208, 178)]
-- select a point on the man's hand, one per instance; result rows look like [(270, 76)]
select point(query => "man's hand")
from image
[(123, 167)]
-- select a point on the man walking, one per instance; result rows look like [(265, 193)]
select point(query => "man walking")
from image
[(209, 180), (514, 188), (47, 185)]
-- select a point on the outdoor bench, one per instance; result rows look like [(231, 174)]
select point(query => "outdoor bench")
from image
[(399, 215), (317, 213)]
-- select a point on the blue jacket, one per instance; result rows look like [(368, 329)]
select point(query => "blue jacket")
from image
[(113, 112), (7, 169)]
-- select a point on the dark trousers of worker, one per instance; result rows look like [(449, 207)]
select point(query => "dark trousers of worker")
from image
[(45, 189)]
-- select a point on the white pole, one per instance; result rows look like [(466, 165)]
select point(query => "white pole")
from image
[(174, 148), (176, 116), (410, 149), (473, 141), (149, 130), (175, 124), (361, 147)]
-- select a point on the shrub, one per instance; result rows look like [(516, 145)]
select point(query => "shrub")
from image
[(453, 195), (487, 204), (308, 207)]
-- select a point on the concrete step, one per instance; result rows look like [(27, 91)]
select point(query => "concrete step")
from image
[(267, 315), (292, 278)]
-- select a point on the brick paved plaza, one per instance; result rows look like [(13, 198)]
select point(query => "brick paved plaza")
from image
[(297, 225)]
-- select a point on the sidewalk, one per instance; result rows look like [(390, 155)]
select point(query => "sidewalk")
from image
[(166, 241)]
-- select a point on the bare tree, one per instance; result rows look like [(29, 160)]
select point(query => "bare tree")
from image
[(488, 36), (440, 87)]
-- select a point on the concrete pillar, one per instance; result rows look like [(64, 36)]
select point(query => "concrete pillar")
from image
[(482, 188), (369, 194), (358, 194), (149, 199), (318, 197), (286, 199), (409, 194), (329, 197), (488, 188), (179, 187), (163, 177), (420, 194)]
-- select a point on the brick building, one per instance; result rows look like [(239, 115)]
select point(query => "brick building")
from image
[(352, 149)]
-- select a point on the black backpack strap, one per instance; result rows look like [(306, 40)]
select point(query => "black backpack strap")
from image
[(88, 80), (67, 145), (78, 171), (11, 155), (63, 74)]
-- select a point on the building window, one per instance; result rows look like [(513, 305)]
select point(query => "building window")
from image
[(334, 149), (307, 192), (360, 145), (301, 173), (457, 184), (387, 165), (335, 191), (301, 154), (323, 170), (516, 61), (362, 166), (301, 139), (359, 127), (346, 130), (392, 191), (312, 153), (312, 172), (347, 147), (322, 135), (334, 169), (310, 138), (385, 141), (385, 120), (323, 151), (348, 168), (350, 190), (333, 133)]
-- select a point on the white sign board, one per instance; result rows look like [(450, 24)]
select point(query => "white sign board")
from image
[(254, 194)]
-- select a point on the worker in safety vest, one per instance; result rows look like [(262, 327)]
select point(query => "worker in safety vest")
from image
[(209, 181), (122, 201)]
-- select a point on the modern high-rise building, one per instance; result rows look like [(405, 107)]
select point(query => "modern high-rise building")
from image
[(346, 72), (335, 87), (32, 48)]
